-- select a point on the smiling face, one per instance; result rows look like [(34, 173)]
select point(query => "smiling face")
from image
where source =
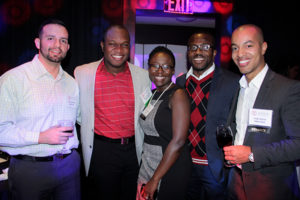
[(116, 49), (159, 76), (248, 49), (53, 43), (201, 60)]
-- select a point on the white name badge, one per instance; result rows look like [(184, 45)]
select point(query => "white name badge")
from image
[(260, 117), (146, 95), (147, 110)]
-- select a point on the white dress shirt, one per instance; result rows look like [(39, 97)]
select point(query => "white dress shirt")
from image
[(32, 101), (205, 73), (246, 99)]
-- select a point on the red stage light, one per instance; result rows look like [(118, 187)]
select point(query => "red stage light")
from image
[(223, 8), (16, 12), (225, 49), (47, 7)]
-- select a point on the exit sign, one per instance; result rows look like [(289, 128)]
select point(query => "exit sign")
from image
[(179, 6)]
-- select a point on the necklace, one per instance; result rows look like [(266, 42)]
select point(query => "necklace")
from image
[(149, 107)]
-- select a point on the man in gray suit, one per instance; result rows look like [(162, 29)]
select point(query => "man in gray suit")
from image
[(113, 93), (265, 123)]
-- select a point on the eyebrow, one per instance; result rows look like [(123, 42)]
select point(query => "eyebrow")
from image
[(248, 41)]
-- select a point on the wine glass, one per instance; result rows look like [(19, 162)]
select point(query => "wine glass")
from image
[(225, 138), (66, 123)]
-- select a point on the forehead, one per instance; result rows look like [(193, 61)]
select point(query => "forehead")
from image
[(161, 56), (201, 38), (56, 30), (245, 34), (117, 34)]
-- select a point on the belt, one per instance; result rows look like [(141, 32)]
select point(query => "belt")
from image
[(42, 159), (124, 140)]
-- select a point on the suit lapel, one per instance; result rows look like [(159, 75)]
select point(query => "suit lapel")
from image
[(213, 91), (264, 90), (263, 94)]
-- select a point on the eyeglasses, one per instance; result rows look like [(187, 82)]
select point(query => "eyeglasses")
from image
[(155, 67), (203, 47)]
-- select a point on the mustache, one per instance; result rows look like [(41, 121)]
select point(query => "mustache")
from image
[(199, 56), (55, 49)]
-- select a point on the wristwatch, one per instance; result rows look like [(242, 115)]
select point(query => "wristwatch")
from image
[(251, 157)]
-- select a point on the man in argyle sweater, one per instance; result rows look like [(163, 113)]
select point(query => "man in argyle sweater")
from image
[(211, 89)]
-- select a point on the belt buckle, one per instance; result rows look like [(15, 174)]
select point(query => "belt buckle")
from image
[(58, 156), (124, 140)]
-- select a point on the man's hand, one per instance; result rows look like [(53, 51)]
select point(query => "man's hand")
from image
[(55, 135), (237, 154)]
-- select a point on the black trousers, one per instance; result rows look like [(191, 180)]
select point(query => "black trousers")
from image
[(113, 171), (49, 180)]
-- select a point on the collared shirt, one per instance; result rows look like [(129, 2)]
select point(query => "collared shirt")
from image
[(246, 99), (114, 103), (32, 101), (205, 73)]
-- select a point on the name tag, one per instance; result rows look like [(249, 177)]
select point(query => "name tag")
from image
[(72, 101), (145, 96), (147, 110), (260, 118)]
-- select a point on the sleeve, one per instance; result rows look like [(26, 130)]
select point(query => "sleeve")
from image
[(10, 134), (78, 119)]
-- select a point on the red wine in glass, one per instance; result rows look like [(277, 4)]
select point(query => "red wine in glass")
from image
[(224, 138)]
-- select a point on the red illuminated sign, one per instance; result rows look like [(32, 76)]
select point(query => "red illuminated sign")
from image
[(179, 6)]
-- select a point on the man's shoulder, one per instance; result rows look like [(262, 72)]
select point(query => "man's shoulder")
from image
[(280, 81), (180, 80), (17, 72), (229, 74), (137, 69), (87, 66)]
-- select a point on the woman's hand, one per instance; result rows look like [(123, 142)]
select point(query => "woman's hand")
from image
[(150, 189)]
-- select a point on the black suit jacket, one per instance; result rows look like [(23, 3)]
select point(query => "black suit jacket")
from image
[(273, 175), (222, 90)]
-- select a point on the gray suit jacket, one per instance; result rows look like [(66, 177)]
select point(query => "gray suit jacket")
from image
[(85, 76), (273, 175)]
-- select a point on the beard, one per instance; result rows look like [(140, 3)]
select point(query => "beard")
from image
[(53, 58)]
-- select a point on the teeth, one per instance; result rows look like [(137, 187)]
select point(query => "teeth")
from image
[(244, 61), (198, 58), (159, 77), (117, 57), (55, 51)]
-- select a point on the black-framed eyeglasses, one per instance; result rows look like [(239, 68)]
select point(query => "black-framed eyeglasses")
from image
[(203, 47), (165, 68)]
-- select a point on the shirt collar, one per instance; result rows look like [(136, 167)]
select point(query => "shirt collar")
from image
[(102, 68), (256, 81), (205, 73), (40, 70)]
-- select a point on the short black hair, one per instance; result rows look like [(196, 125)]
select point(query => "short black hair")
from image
[(120, 26), (205, 32), (162, 49), (51, 21)]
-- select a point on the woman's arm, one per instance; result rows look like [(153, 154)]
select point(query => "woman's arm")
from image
[(180, 106)]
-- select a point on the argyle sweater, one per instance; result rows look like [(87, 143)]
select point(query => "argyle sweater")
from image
[(199, 93)]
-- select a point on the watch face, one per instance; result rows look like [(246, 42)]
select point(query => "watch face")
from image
[(251, 157)]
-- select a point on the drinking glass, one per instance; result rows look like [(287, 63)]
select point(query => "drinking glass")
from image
[(66, 123), (225, 138)]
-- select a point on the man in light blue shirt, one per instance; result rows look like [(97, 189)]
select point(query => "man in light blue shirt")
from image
[(34, 98)]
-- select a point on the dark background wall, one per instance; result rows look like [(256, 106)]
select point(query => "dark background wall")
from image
[(280, 22)]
